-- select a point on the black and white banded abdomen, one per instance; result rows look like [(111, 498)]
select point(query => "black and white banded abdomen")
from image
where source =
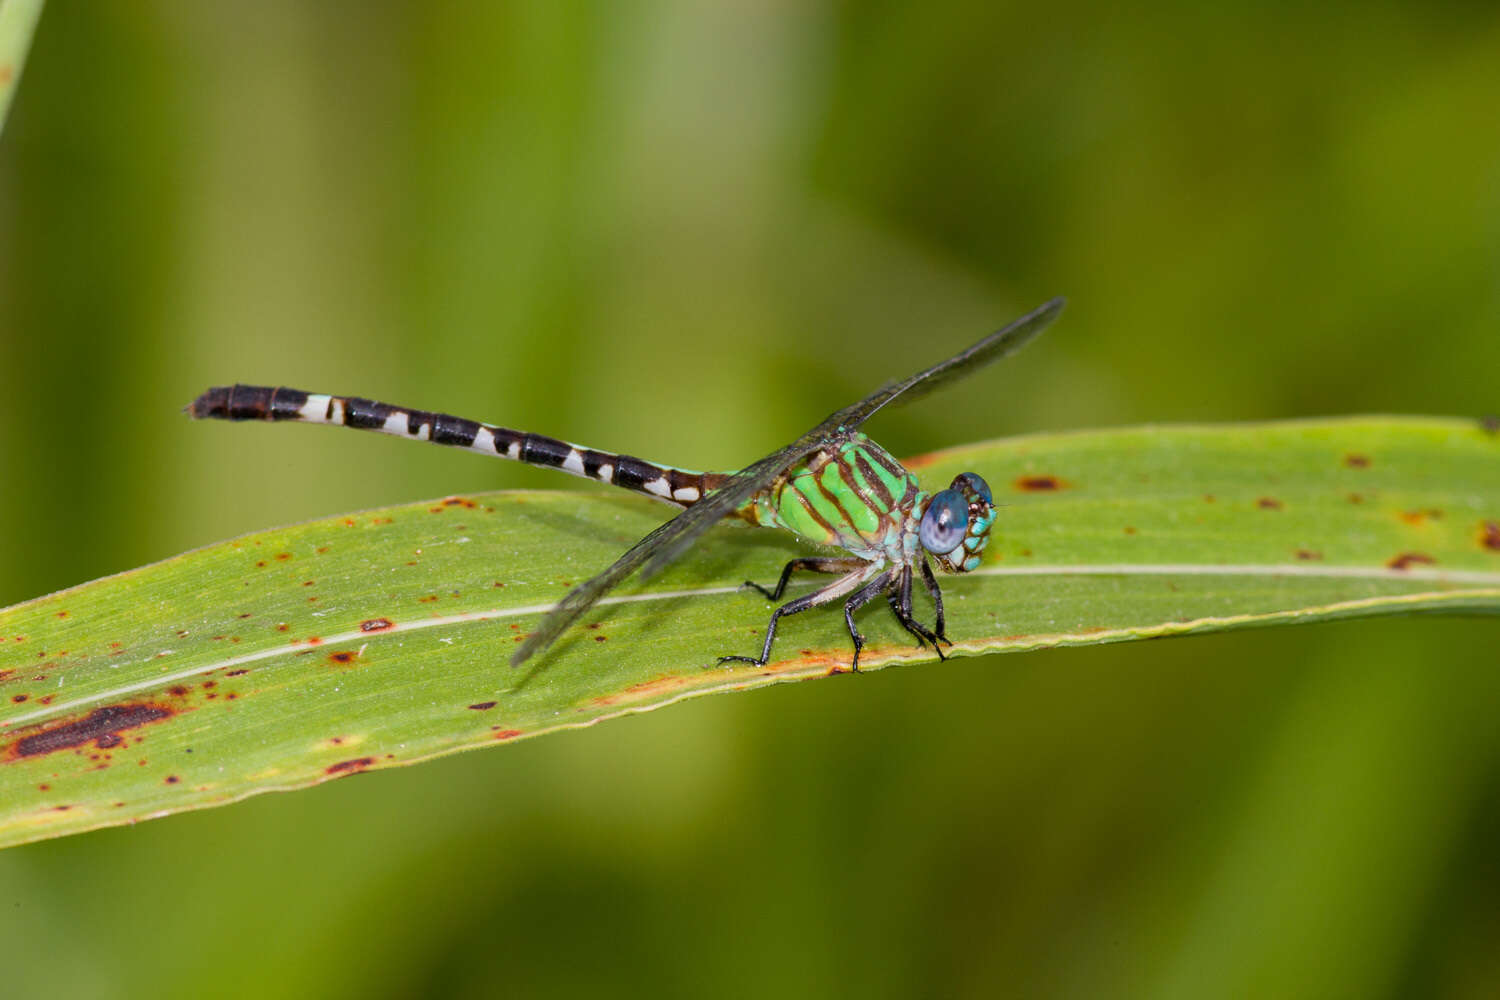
[(256, 402)]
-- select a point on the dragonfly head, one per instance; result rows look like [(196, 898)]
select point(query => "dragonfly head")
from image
[(956, 525)]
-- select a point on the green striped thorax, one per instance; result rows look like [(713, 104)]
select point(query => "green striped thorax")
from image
[(856, 496)]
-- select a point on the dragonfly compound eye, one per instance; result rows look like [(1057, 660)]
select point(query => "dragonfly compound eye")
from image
[(973, 488), (946, 522)]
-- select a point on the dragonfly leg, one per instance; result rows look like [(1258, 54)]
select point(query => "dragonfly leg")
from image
[(860, 572), (900, 601), (814, 564), (937, 599), (859, 599)]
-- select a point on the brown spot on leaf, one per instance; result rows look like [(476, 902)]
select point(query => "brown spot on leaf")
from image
[(1408, 559), (1039, 484), (18, 698), (507, 734), (1209, 498), (376, 625), (283, 556), (1490, 423), (1354, 460), (101, 722), (483, 706), (1418, 517), (1307, 555), (236, 673), (172, 779), (349, 766), (1129, 530), (342, 656), (1356, 498), (1268, 503), (1489, 535)]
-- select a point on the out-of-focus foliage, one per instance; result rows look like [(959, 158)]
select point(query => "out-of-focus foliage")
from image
[(688, 231)]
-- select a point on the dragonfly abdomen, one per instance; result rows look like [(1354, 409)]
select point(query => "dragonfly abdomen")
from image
[(682, 487)]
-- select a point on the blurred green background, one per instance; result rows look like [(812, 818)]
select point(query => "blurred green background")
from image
[(689, 230)]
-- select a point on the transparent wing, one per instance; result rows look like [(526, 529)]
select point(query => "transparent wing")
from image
[(670, 540)]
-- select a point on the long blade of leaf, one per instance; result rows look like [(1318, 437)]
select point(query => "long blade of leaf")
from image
[(293, 656)]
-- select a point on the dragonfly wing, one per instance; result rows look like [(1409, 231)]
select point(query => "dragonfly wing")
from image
[(666, 543), (670, 540), (1007, 340)]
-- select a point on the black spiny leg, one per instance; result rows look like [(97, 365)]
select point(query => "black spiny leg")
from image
[(937, 599), (826, 595), (859, 599), (900, 601), (814, 564)]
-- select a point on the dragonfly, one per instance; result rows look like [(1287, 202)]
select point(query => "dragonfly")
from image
[(832, 487)]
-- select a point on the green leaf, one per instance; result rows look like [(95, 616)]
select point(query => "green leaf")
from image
[(296, 655)]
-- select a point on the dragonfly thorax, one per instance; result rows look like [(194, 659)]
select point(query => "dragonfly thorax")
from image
[(955, 527)]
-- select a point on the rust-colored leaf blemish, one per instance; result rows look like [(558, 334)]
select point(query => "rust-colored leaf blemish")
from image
[(1356, 498), (1129, 530), (342, 656), (283, 556), (428, 599), (601, 638), (171, 779), (1268, 503), (282, 627), (1209, 498), (1307, 555), (1039, 484), (238, 672), (483, 706), (18, 698), (308, 583), (1354, 460), (349, 766), (1489, 535), (1490, 423), (507, 734), (376, 625), (459, 502), (102, 723), (1406, 560), (1419, 517)]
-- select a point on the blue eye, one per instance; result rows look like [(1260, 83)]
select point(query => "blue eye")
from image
[(946, 522), (971, 485)]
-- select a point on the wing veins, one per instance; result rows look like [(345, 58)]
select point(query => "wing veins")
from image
[(671, 539)]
